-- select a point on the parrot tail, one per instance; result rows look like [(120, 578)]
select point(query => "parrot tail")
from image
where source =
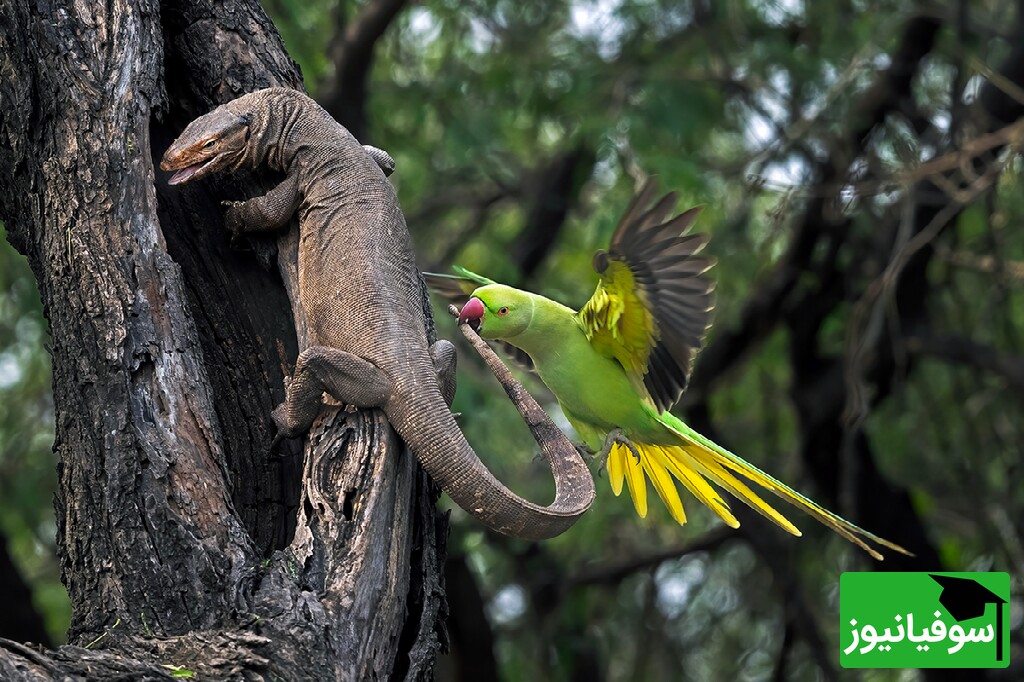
[(695, 461)]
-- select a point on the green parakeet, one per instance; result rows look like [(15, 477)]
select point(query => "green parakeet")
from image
[(620, 363)]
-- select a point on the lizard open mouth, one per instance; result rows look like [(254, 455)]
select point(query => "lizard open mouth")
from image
[(188, 172)]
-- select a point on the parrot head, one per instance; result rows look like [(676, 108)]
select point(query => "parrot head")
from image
[(497, 311)]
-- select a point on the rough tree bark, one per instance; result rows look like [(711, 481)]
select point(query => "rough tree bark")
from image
[(181, 542)]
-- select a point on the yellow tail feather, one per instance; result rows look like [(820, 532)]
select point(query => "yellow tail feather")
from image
[(696, 484), (697, 459), (654, 466)]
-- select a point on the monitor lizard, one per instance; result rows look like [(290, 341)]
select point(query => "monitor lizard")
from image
[(361, 294)]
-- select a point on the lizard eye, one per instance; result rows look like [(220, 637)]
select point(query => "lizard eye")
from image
[(503, 310), (209, 143)]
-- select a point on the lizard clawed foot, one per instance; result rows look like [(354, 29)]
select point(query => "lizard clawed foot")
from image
[(280, 417), (233, 222)]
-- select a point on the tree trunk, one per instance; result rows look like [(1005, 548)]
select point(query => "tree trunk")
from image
[(182, 542)]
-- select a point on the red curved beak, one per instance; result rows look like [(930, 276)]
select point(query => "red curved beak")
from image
[(473, 311)]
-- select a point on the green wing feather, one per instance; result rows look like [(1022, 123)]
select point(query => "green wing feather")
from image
[(652, 306), (456, 288)]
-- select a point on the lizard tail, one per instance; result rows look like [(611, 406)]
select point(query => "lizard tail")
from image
[(447, 456)]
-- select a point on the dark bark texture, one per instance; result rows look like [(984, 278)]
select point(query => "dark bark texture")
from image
[(182, 542)]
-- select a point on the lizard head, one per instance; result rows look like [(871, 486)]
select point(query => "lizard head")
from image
[(213, 142)]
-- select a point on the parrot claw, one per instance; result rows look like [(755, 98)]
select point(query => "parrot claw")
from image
[(616, 436), (587, 454)]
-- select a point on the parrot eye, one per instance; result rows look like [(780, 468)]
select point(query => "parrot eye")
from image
[(503, 310)]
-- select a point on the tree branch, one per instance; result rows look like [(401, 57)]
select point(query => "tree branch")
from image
[(612, 574), (344, 94), (961, 350), (555, 188)]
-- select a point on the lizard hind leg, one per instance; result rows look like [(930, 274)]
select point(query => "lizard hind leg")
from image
[(347, 377)]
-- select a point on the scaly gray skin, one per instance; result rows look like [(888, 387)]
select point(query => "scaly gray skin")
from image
[(360, 290)]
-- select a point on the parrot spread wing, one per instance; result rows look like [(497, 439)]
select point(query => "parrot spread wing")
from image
[(455, 289), (652, 306)]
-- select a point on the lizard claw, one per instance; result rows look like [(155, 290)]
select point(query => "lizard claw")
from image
[(280, 417), (233, 221), (275, 446)]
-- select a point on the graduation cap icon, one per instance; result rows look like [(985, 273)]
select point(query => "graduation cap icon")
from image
[(964, 599)]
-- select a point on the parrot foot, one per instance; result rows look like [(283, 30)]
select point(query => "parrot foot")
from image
[(616, 436), (587, 454)]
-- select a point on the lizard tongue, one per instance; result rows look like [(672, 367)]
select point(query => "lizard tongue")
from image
[(186, 173)]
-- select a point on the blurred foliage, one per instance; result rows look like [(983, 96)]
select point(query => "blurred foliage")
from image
[(731, 104), (27, 465)]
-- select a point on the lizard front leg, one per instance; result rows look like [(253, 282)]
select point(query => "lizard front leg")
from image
[(347, 377), (271, 211)]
